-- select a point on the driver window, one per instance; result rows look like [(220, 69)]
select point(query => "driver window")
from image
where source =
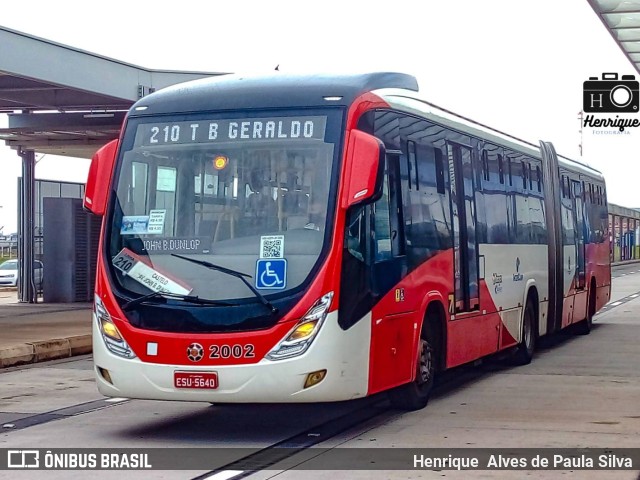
[(356, 234), (382, 225)]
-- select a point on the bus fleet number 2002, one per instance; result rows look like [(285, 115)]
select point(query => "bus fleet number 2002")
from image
[(232, 351)]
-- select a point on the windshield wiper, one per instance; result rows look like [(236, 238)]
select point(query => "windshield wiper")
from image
[(187, 298), (233, 273)]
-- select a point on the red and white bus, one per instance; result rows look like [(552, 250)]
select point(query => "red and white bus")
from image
[(323, 238)]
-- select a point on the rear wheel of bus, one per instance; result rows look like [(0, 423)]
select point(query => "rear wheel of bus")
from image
[(584, 327), (524, 350)]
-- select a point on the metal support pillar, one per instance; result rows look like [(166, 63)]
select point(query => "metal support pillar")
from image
[(26, 285)]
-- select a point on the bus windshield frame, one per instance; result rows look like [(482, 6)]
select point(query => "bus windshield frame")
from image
[(264, 188)]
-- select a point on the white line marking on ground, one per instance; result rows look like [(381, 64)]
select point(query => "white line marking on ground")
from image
[(615, 304), (114, 400), (225, 475)]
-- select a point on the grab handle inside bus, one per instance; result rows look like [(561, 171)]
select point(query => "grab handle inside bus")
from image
[(365, 169), (96, 192)]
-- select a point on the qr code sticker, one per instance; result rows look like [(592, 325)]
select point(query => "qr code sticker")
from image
[(272, 246)]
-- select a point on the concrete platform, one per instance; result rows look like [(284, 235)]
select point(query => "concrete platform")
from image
[(35, 332)]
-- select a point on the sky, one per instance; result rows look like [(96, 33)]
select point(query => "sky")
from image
[(515, 65)]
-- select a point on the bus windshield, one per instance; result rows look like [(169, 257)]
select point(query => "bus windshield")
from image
[(249, 194)]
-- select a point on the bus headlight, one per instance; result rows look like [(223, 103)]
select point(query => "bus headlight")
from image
[(300, 337), (110, 334)]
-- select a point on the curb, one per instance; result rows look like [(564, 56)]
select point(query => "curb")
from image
[(625, 262), (35, 352)]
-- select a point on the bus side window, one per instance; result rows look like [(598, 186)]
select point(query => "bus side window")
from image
[(439, 172), (137, 195)]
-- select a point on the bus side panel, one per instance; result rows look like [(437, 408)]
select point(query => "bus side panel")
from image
[(576, 302), (475, 335), (397, 319), (599, 268), (510, 271), (580, 302), (392, 339)]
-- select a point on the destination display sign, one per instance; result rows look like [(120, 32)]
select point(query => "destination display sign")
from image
[(230, 131)]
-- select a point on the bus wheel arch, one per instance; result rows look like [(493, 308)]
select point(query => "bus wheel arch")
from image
[(429, 359), (584, 327), (434, 329)]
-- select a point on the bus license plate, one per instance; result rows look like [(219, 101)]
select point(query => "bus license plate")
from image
[(199, 380)]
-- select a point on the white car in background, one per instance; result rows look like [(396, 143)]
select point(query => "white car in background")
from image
[(9, 273)]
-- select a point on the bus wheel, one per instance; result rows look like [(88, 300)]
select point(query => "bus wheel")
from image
[(415, 395), (584, 327), (524, 350)]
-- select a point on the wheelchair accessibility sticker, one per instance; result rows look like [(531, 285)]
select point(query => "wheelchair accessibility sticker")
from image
[(271, 273)]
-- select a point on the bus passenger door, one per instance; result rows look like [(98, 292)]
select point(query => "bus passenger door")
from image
[(465, 245), (581, 295), (392, 335), (570, 244), (581, 233), (471, 334)]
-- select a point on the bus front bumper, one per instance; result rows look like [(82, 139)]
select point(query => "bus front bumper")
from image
[(343, 354)]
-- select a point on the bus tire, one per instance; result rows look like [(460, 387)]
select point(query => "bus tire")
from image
[(415, 395), (584, 327), (524, 350)]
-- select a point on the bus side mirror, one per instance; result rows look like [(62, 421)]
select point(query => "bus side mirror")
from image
[(365, 169), (96, 192)]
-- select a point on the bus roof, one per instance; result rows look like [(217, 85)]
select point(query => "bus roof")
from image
[(411, 102), (230, 92), (400, 90)]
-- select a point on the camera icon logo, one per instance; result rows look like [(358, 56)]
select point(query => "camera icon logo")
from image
[(610, 94)]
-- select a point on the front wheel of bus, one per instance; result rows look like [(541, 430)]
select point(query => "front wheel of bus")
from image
[(415, 395)]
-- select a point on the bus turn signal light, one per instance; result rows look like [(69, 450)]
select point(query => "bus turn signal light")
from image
[(303, 330)]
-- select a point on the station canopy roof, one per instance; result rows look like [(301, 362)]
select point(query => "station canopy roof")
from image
[(622, 19), (65, 101)]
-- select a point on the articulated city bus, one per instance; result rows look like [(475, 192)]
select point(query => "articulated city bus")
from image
[(323, 238)]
